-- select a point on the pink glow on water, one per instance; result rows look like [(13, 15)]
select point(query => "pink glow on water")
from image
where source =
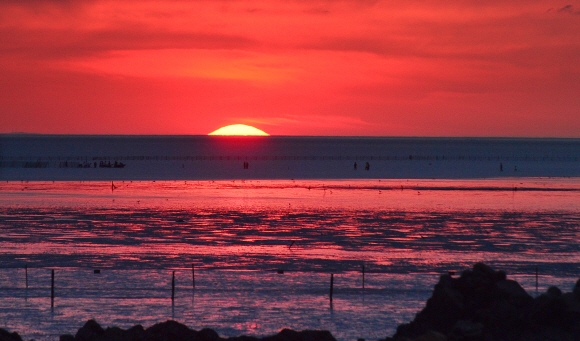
[(238, 234)]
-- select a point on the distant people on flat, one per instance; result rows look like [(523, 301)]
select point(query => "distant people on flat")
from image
[(355, 166), (246, 165), (501, 167), (109, 165), (367, 166)]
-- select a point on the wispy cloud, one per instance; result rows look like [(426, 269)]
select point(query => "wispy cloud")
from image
[(62, 44), (569, 9), (308, 124)]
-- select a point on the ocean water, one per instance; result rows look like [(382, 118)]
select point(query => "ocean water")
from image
[(239, 234), (57, 157)]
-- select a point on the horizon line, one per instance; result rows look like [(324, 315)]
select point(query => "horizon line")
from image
[(24, 134)]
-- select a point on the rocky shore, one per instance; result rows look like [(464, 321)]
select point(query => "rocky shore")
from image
[(171, 331), (480, 305), (483, 305)]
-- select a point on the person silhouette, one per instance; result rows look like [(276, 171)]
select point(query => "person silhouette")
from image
[(367, 166), (355, 166)]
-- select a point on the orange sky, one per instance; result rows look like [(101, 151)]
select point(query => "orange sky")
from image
[(405, 68)]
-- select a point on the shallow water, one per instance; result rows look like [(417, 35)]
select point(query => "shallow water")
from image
[(237, 234)]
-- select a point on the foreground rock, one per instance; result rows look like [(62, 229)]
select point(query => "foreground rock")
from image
[(174, 331), (483, 305), (7, 336)]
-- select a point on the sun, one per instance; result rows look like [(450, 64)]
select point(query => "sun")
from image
[(239, 130)]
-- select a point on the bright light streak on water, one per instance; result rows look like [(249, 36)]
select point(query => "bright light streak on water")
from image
[(238, 234)]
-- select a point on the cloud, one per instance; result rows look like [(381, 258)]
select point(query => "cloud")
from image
[(58, 44), (312, 121), (569, 9)]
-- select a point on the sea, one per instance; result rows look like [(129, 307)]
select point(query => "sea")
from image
[(248, 236)]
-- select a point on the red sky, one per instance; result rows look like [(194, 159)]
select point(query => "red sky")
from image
[(405, 68)]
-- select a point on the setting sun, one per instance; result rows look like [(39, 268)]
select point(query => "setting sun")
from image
[(239, 130)]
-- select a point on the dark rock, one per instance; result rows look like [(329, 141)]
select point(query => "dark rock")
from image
[(467, 330), (136, 333), (66, 337), (511, 291), (484, 270), (174, 331), (571, 302), (7, 336), (483, 305), (554, 292), (91, 331), (243, 338), (548, 310), (500, 275), (571, 317), (115, 334), (431, 336), (207, 334), (170, 330), (443, 308), (305, 335), (576, 289)]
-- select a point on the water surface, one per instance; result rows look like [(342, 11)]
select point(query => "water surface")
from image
[(239, 234)]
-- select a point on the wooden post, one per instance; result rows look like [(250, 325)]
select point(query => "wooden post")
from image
[(26, 274), (363, 273), (52, 289), (536, 280), (331, 286), (192, 276), (173, 286)]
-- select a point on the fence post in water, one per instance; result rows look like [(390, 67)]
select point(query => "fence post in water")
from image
[(192, 276), (52, 288), (173, 286), (26, 274), (331, 286), (536, 280)]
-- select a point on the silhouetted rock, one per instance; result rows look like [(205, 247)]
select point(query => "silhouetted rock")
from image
[(466, 330), (175, 331), (7, 336), (554, 292), (91, 331), (576, 290), (137, 332), (306, 335), (483, 305), (170, 330), (116, 334), (208, 334)]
